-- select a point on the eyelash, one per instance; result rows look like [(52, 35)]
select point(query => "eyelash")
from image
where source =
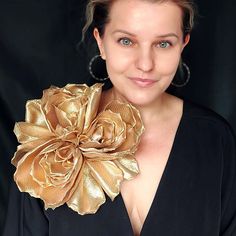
[(121, 41)]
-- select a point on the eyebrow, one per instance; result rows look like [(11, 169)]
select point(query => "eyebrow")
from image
[(158, 36)]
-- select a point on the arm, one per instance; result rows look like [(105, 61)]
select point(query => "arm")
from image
[(228, 197), (25, 215)]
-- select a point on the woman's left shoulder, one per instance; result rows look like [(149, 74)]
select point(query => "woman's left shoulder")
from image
[(206, 118)]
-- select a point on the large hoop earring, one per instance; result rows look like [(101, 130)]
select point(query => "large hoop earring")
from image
[(91, 71), (179, 85)]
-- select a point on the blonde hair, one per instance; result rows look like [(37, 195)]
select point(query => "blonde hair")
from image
[(97, 14)]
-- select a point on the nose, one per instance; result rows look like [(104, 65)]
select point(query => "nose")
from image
[(145, 59)]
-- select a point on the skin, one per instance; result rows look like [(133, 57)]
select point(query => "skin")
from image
[(142, 46)]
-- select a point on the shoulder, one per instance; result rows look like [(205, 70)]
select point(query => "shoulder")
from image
[(196, 111), (207, 127), (198, 114)]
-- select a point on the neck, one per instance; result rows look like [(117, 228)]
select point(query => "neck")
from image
[(153, 113)]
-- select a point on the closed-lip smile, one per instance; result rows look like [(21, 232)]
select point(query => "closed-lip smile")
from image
[(142, 82)]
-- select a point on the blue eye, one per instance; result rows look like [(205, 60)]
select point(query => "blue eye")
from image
[(164, 44), (125, 41)]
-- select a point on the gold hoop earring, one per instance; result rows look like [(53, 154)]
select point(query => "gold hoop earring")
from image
[(179, 85), (91, 71)]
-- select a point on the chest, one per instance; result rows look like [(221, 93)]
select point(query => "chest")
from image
[(187, 200), (139, 193)]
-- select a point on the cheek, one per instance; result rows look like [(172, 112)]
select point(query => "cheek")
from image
[(117, 60), (168, 62)]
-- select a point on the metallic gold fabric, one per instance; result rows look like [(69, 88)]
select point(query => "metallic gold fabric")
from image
[(69, 153)]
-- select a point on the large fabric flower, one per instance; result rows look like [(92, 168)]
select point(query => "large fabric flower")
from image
[(71, 153)]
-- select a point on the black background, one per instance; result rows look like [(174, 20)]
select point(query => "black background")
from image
[(39, 47)]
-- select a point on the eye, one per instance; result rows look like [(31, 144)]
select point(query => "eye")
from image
[(164, 44), (125, 41)]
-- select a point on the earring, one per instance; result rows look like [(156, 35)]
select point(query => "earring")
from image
[(91, 71), (182, 74)]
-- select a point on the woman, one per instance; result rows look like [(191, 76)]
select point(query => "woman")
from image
[(186, 155)]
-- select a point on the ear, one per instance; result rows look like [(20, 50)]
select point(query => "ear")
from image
[(186, 40), (99, 43)]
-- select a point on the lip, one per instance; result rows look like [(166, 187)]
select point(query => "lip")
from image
[(141, 82)]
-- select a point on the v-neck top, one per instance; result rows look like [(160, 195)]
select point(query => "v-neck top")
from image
[(196, 195)]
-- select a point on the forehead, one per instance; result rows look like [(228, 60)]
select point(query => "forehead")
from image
[(143, 15)]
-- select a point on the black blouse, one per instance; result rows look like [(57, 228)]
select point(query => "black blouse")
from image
[(196, 195)]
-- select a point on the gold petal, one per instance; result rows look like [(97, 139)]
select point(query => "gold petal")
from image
[(50, 100), (57, 173), (71, 111), (35, 150), (107, 175), (26, 132), (27, 147), (52, 196), (124, 109), (93, 104), (129, 166), (62, 118), (131, 116), (96, 147), (107, 132), (76, 89), (23, 178), (111, 122), (73, 105), (131, 142), (34, 113), (57, 196), (103, 156), (88, 196)]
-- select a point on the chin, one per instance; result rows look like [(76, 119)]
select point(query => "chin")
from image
[(142, 100), (139, 96)]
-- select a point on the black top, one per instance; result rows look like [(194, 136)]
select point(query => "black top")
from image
[(196, 195)]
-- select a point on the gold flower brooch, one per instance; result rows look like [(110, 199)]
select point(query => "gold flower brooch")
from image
[(71, 153)]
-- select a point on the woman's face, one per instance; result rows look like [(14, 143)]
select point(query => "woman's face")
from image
[(142, 46)]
